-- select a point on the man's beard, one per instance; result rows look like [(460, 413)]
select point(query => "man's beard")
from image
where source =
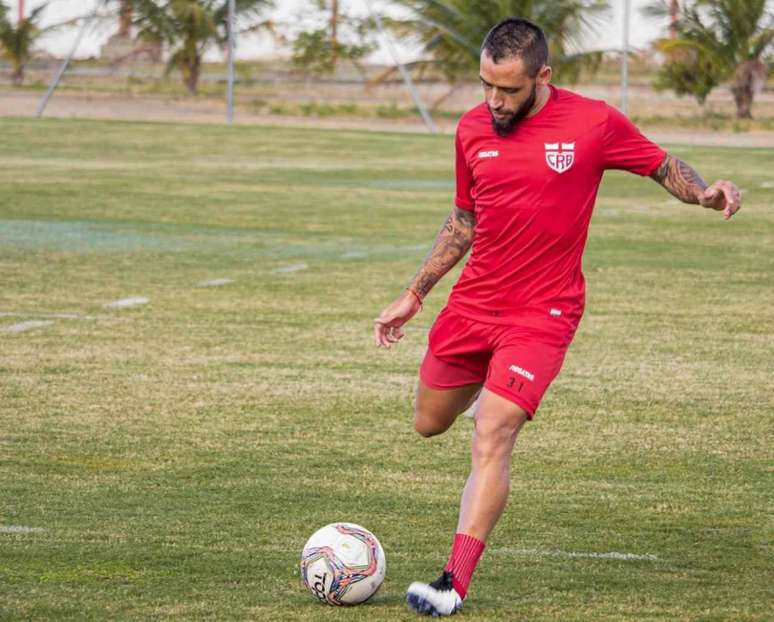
[(505, 127)]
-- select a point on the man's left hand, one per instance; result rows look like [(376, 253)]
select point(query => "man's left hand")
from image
[(722, 196)]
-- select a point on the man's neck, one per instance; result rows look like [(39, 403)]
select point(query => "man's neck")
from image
[(541, 99)]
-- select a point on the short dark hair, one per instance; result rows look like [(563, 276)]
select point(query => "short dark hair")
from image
[(515, 37)]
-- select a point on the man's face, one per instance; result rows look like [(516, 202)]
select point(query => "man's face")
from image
[(509, 91)]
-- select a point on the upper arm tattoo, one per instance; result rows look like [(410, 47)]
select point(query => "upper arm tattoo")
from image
[(680, 179)]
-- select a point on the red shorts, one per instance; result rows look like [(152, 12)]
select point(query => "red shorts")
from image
[(518, 362)]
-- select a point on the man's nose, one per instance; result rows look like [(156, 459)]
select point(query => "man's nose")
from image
[(495, 100)]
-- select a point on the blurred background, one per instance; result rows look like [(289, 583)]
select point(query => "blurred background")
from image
[(676, 65)]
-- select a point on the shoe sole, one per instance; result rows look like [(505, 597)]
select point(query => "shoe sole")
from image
[(424, 606)]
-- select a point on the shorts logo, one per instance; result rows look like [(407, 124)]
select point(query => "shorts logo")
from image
[(488, 154), (560, 156), (522, 372)]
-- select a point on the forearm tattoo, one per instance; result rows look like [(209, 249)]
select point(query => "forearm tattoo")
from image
[(452, 242), (680, 179)]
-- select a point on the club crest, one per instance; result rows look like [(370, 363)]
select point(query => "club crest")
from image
[(560, 156)]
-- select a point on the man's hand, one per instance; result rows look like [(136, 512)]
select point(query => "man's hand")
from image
[(452, 242), (683, 182), (388, 326), (722, 196)]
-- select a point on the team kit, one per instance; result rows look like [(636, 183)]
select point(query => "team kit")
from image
[(514, 310), (529, 161)]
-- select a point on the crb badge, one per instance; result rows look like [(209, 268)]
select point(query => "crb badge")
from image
[(560, 156)]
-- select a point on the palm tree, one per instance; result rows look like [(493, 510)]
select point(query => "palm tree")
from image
[(319, 50), (452, 31), (334, 28), (674, 14), (717, 40), (16, 41), (125, 18), (189, 27)]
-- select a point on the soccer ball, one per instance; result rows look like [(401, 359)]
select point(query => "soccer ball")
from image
[(343, 564)]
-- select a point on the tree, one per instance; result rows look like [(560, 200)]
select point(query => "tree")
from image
[(451, 31), (717, 41), (17, 41), (189, 27), (674, 14), (125, 18), (321, 48)]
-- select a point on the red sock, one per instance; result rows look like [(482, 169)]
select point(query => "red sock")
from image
[(466, 551)]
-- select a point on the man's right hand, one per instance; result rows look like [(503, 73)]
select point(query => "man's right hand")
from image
[(452, 242), (388, 326)]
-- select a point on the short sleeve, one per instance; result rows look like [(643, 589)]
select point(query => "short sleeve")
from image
[(626, 148), (464, 197)]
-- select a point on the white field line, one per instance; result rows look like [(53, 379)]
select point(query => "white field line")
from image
[(24, 326), (767, 184), (57, 316), (215, 283), (20, 529), (627, 557), (126, 302), (618, 211), (291, 268), (354, 255)]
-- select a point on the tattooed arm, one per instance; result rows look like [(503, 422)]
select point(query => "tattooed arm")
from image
[(452, 242), (683, 182)]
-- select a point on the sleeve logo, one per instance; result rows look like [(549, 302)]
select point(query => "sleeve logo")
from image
[(560, 156)]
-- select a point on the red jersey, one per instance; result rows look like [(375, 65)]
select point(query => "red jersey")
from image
[(533, 192)]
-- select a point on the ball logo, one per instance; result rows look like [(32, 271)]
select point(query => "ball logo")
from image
[(560, 156), (318, 587)]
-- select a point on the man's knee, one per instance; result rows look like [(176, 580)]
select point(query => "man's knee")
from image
[(428, 422), (495, 436), (491, 444), (436, 410)]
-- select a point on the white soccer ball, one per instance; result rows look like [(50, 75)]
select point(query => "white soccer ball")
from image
[(343, 564)]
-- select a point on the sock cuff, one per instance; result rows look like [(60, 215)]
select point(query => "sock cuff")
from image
[(466, 551), (466, 541)]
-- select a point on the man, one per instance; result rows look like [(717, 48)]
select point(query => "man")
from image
[(528, 166)]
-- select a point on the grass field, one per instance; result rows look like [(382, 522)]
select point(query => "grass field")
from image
[(168, 460)]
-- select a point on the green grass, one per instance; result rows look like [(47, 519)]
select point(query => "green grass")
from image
[(178, 454)]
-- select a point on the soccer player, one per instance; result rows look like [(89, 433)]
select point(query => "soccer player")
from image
[(529, 161)]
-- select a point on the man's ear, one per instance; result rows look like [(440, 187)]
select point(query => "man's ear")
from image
[(544, 75)]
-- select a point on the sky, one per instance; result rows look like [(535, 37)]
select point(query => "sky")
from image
[(610, 34)]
